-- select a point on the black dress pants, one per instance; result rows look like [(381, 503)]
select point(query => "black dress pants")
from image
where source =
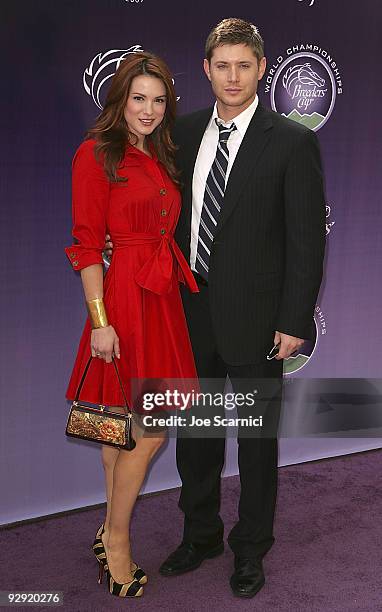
[(200, 459)]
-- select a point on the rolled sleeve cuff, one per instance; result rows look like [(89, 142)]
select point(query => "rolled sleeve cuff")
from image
[(82, 258)]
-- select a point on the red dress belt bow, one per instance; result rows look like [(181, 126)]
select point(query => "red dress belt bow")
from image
[(156, 274)]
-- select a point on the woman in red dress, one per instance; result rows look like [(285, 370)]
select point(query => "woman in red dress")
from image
[(125, 184)]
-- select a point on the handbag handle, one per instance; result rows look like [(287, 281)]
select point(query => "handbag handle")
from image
[(119, 380)]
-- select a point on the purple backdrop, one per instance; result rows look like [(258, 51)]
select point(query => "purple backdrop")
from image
[(47, 106)]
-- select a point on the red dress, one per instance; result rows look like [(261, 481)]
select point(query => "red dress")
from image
[(141, 286)]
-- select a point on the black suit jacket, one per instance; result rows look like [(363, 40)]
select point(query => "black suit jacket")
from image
[(267, 256)]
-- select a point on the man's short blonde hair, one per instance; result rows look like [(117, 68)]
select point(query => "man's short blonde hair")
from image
[(235, 31)]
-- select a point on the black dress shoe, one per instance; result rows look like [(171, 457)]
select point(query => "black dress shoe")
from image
[(248, 577), (188, 557)]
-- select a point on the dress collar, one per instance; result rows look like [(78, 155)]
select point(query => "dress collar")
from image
[(133, 150)]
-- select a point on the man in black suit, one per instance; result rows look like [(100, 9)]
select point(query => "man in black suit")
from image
[(253, 228)]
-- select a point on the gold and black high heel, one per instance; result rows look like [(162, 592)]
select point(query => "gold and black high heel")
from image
[(139, 574), (98, 547), (99, 551), (124, 589), (101, 569)]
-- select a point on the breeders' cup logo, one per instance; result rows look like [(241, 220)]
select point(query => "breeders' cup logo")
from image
[(102, 68), (303, 85), (297, 80), (303, 355)]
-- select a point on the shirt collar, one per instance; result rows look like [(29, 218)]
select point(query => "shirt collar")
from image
[(241, 121)]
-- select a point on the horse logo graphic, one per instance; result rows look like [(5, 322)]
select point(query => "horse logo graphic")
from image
[(301, 74), (304, 85), (102, 68)]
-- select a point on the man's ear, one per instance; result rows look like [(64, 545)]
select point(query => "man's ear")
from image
[(262, 67), (206, 66)]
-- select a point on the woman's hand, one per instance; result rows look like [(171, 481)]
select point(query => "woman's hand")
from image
[(104, 342), (108, 248)]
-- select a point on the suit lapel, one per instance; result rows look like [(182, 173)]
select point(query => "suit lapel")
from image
[(256, 138)]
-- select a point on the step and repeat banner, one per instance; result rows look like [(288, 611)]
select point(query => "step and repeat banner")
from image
[(58, 59)]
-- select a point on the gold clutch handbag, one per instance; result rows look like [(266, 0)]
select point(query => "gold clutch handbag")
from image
[(96, 424)]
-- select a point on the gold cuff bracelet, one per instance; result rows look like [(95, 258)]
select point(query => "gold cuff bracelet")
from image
[(97, 313)]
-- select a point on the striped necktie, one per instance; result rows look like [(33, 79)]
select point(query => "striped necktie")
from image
[(213, 200)]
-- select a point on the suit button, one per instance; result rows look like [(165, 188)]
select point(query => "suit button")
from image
[(163, 191), (72, 255), (163, 212), (163, 231), (75, 263)]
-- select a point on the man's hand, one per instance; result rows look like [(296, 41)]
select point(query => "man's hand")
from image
[(288, 345), (108, 246)]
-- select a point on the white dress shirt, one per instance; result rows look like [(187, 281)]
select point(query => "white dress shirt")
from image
[(204, 161)]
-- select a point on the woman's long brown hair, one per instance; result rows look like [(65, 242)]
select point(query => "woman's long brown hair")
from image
[(110, 129)]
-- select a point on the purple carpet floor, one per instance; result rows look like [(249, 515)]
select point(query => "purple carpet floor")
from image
[(327, 555)]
